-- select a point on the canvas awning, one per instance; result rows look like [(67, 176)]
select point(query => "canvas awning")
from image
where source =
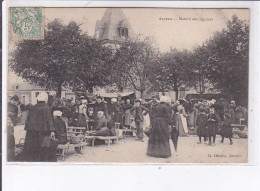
[(115, 94)]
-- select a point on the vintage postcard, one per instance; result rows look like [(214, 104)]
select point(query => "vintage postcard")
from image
[(128, 85)]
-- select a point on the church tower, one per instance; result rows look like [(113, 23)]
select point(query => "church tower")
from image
[(113, 29)]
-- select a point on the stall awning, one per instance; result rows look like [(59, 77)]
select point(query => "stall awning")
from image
[(115, 94)]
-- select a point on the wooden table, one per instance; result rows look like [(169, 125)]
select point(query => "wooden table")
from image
[(92, 138)]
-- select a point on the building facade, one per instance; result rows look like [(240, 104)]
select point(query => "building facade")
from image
[(28, 92)]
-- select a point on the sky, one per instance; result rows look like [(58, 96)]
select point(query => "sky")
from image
[(164, 24)]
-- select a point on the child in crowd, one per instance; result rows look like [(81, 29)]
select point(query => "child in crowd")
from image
[(60, 128), (212, 126), (226, 129), (202, 124), (91, 118)]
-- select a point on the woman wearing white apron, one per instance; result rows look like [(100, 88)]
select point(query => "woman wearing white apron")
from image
[(82, 114), (146, 120), (181, 121)]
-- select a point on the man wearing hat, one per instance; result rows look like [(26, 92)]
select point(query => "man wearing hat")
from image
[(119, 114), (221, 107), (39, 130), (99, 106), (202, 124), (226, 129), (111, 115), (139, 118), (232, 109), (11, 121)]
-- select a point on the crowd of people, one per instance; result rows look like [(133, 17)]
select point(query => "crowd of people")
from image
[(206, 119), (160, 119)]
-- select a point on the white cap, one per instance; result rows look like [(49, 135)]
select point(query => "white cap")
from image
[(114, 100), (57, 113), (164, 99), (84, 101), (180, 107), (43, 96)]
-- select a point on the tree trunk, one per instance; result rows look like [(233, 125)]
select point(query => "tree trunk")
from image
[(121, 89), (176, 90), (163, 93), (177, 93), (59, 90), (142, 93)]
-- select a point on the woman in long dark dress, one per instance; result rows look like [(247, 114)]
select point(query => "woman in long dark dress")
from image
[(39, 128), (60, 127), (158, 144)]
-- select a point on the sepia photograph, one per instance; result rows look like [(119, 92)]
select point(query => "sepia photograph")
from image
[(128, 85)]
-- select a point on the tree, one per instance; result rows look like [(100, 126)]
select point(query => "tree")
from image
[(171, 71), (65, 57), (132, 61), (228, 60), (199, 66), (119, 76)]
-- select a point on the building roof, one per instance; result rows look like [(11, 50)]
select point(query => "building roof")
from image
[(107, 27)]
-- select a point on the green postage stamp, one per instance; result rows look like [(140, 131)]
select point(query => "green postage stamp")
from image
[(26, 23)]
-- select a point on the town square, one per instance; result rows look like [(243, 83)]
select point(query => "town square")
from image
[(128, 85)]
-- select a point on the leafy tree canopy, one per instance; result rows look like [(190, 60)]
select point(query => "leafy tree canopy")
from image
[(228, 60), (65, 57), (132, 61)]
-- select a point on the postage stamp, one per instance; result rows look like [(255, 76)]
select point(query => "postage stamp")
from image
[(26, 23)]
